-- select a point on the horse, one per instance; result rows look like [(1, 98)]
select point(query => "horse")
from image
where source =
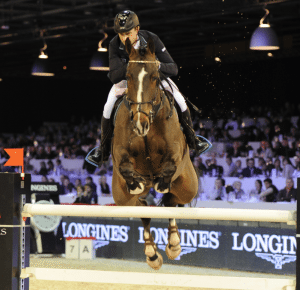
[(149, 149)]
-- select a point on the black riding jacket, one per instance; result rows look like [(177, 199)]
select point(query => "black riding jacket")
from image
[(118, 57)]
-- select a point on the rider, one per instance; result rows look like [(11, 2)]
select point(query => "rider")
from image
[(126, 25)]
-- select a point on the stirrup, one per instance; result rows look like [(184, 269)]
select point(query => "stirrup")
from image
[(89, 160), (204, 140)]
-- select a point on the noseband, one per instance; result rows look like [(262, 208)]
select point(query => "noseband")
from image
[(155, 108)]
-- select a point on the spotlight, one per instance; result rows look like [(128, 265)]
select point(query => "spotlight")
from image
[(99, 60), (264, 37), (42, 66)]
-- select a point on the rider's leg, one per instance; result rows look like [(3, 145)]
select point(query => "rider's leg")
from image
[(195, 142), (106, 124)]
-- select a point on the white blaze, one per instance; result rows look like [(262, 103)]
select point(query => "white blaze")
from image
[(139, 93)]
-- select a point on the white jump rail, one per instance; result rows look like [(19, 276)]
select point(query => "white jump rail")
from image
[(284, 216), (170, 280), (157, 279)]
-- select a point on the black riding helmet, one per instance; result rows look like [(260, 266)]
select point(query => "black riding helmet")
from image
[(125, 21)]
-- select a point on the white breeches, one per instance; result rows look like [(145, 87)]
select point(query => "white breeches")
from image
[(119, 89)]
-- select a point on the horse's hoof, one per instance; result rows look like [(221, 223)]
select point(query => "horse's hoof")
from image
[(173, 252), (161, 187), (157, 263), (137, 190)]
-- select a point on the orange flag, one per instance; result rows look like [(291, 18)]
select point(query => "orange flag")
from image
[(16, 157)]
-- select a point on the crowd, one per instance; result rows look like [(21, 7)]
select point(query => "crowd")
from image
[(235, 192), (279, 145)]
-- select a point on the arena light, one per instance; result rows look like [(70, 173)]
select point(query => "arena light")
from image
[(41, 66), (264, 37), (99, 60)]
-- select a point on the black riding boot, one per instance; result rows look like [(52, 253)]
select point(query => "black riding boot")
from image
[(104, 148), (195, 142)]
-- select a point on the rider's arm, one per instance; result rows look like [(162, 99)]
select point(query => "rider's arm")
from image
[(117, 67), (167, 65)]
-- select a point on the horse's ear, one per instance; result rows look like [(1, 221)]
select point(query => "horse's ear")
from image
[(128, 46), (151, 45)]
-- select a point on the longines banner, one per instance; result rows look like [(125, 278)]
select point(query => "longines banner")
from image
[(268, 250)]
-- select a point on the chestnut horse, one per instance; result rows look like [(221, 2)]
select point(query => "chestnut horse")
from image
[(149, 149)]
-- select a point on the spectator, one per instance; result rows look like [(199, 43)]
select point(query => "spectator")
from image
[(269, 164), (67, 153), (239, 192), (62, 178), (214, 170), (89, 181), (297, 171), (50, 167), (50, 153), (68, 186), (267, 134), (207, 162), (238, 169), (104, 188), (261, 162), (250, 170), (77, 182), (296, 147), (79, 153), (236, 150), (82, 196), (58, 169), (264, 169), (232, 124), (297, 160), (230, 193), (288, 168), (228, 172), (289, 193), (41, 153), (284, 149), (270, 194), (43, 170), (294, 134), (218, 192), (277, 170), (255, 193), (28, 168), (201, 167), (91, 194)]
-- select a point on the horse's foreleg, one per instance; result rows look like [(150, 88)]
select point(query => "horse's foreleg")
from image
[(153, 257), (163, 183), (135, 183), (173, 249)]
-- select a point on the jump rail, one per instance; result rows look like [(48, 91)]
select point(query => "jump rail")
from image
[(284, 216), (160, 279)]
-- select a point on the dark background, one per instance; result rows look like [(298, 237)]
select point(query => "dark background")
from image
[(33, 100), (194, 33)]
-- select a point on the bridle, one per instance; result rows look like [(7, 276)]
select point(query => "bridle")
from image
[(155, 108)]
